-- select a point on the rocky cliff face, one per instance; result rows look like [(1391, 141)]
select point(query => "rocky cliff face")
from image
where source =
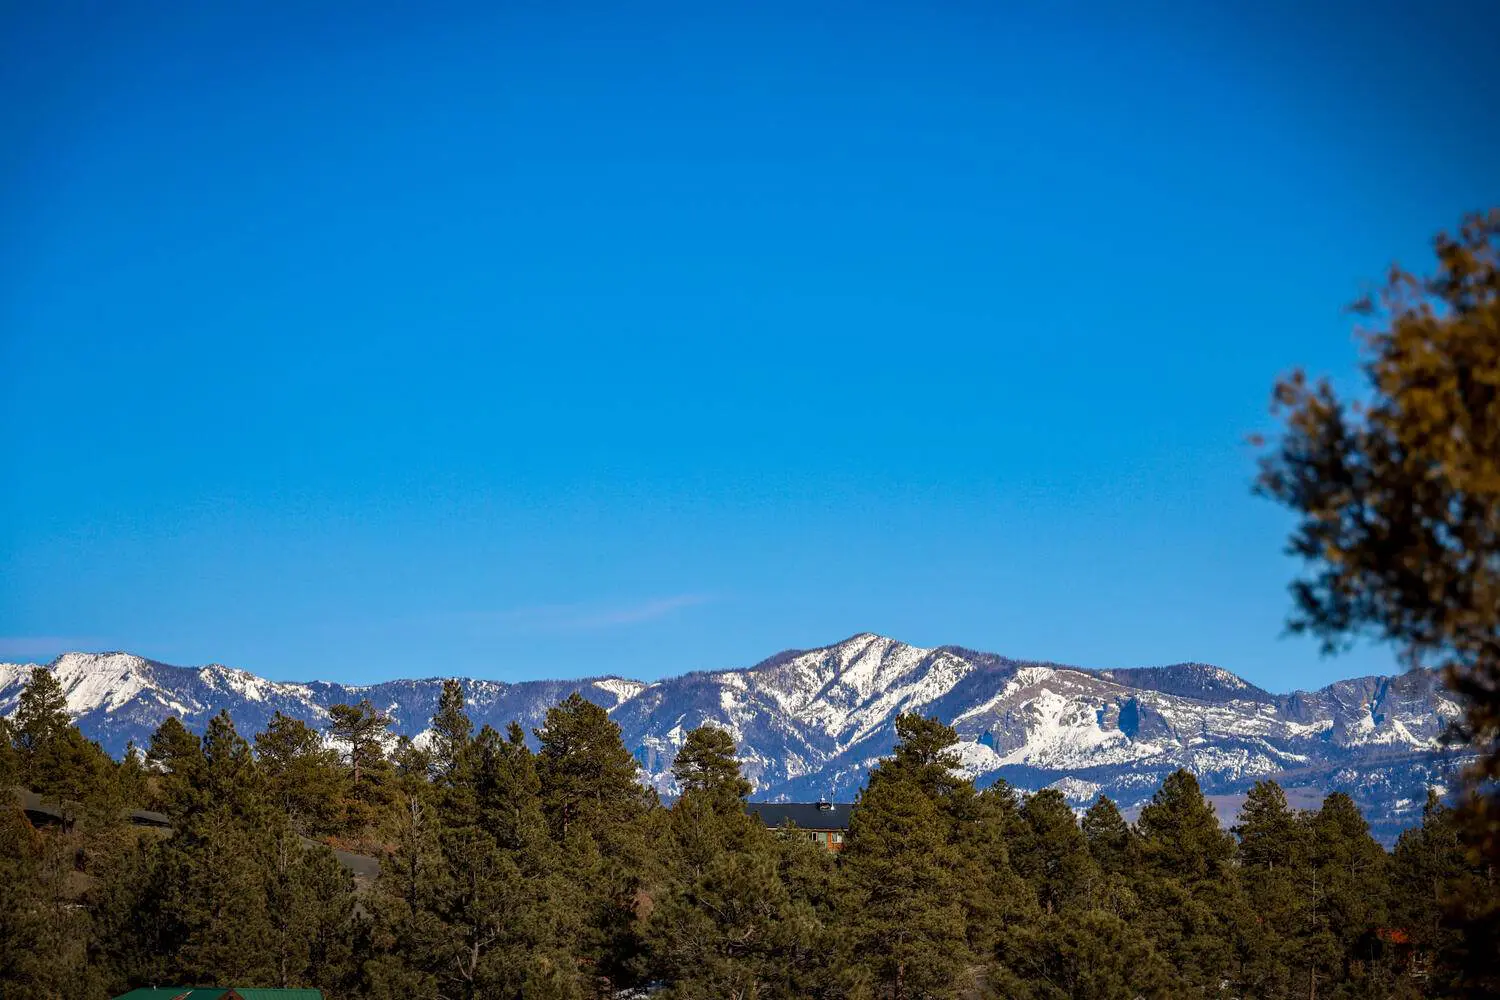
[(811, 723)]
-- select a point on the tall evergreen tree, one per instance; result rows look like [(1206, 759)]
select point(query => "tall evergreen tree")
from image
[(588, 777), (1180, 833), (1346, 891), (405, 936), (1398, 497), (1083, 955), (177, 756), (1053, 855), (211, 882), (79, 778), (301, 774), (43, 935), (41, 723), (508, 792), (1430, 870), (133, 777), (452, 732), (706, 763), (924, 756), (10, 764), (596, 811), (724, 924), (903, 917), (466, 905), (995, 897), (1273, 859), (55, 759), (310, 902), (362, 730), (1191, 907), (1440, 889), (1109, 837)]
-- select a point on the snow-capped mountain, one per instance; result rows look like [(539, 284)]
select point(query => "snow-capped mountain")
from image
[(810, 723)]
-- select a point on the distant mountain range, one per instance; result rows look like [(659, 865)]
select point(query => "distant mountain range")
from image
[(810, 723)]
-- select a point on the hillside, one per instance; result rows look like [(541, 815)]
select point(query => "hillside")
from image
[(810, 723)]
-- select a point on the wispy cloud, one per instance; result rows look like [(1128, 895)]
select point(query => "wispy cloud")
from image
[(584, 617), (631, 614), (46, 646)]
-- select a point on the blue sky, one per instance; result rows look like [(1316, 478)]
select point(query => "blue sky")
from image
[(566, 339)]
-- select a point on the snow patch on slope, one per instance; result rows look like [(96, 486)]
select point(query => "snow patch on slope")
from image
[(1062, 731), (622, 689), (106, 681)]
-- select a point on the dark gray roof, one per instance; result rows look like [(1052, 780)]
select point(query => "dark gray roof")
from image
[(44, 810), (807, 815), (50, 809)]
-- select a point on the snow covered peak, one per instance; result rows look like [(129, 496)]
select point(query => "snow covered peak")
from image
[(857, 686), (93, 681), (868, 661)]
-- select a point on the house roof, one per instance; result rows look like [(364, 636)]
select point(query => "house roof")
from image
[(43, 808), (218, 993), (806, 815)]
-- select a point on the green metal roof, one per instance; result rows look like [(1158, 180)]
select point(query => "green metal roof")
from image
[(217, 993)]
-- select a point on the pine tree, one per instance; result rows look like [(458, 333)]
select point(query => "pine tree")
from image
[(1270, 836), (301, 774), (924, 756), (1109, 837), (362, 729), (230, 777), (1274, 868), (1347, 898), (310, 902), (475, 903), (131, 937), (707, 763), (995, 897), (810, 940), (1430, 871), (54, 758), (214, 900), (80, 779), (405, 938), (596, 811), (1446, 900), (178, 757), (721, 932), (1003, 807), (1398, 497), (41, 723), (1180, 833), (467, 904), (902, 913), (213, 884), (43, 932), (1190, 905), (452, 732), (133, 777), (508, 791), (588, 777), (10, 764), (1083, 955), (723, 924), (1053, 854)]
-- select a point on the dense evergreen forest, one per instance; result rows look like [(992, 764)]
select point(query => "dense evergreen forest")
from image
[(509, 872)]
